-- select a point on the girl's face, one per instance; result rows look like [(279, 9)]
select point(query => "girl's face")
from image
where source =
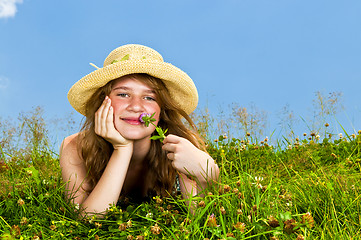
[(130, 98)]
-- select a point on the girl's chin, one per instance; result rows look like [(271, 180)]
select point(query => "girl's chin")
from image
[(135, 138), (134, 132), (134, 135)]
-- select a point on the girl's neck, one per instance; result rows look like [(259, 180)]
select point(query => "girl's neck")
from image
[(140, 150)]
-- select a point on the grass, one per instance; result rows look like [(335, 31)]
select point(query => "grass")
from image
[(308, 190)]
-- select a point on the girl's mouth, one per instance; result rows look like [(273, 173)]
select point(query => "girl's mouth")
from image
[(132, 121)]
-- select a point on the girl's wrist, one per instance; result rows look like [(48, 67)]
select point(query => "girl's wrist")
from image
[(124, 147)]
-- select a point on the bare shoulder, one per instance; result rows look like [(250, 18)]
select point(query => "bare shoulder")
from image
[(69, 150), (73, 168)]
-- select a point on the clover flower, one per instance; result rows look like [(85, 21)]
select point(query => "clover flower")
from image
[(289, 226), (129, 224), (148, 119), (212, 221), (308, 220), (223, 210), (155, 229), (16, 231), (226, 188), (300, 237), (21, 202), (201, 204), (122, 227), (158, 200), (230, 235), (240, 226), (23, 221)]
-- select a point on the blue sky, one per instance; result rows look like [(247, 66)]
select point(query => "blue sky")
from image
[(266, 53)]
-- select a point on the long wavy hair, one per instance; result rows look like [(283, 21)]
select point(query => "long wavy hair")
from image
[(96, 151)]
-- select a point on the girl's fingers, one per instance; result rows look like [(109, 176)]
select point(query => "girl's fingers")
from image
[(170, 156), (97, 120), (101, 117), (171, 139), (109, 117), (171, 147), (104, 125)]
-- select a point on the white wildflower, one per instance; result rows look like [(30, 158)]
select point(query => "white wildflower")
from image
[(77, 206), (258, 182)]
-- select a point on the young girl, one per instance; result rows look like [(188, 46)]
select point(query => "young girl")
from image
[(113, 155)]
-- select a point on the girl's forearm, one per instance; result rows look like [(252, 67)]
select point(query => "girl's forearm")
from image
[(208, 174), (107, 190)]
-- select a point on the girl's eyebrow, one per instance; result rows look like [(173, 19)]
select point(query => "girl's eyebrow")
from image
[(121, 88), (127, 89)]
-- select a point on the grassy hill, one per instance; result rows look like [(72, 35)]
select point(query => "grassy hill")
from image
[(310, 189)]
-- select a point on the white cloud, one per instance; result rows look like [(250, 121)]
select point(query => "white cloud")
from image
[(8, 8), (4, 82)]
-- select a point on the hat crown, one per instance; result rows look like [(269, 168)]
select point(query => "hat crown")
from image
[(130, 59), (132, 52)]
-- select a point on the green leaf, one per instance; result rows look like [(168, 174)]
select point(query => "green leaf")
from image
[(126, 57), (329, 186), (155, 137), (159, 131), (35, 174), (285, 216)]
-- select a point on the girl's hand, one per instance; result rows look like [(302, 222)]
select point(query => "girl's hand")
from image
[(104, 125), (187, 158)]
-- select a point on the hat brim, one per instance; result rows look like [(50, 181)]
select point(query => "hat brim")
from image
[(179, 84)]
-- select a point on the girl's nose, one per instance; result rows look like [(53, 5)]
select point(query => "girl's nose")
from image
[(135, 105)]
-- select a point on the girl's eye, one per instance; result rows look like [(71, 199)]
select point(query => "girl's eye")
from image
[(150, 98), (122, 95)]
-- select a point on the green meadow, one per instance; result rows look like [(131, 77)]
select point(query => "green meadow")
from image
[(303, 186)]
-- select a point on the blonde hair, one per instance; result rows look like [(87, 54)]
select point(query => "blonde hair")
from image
[(96, 151)]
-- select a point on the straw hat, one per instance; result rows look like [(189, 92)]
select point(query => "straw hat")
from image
[(134, 58)]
